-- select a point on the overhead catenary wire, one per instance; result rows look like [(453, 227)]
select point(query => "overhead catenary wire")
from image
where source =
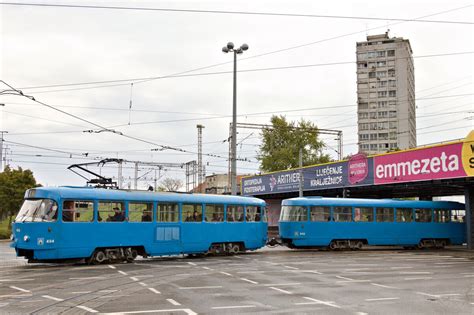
[(102, 128), (187, 74), (255, 13)]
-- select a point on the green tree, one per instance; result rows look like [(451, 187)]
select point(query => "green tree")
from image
[(13, 184), (281, 144)]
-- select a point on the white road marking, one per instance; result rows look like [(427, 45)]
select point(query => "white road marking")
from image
[(401, 267), (15, 280), (306, 271), (419, 278), (253, 282), (173, 302), (87, 309), (20, 289), (252, 271), (134, 278), (143, 284), (107, 291), (438, 295), (195, 288), (154, 290), (207, 268), (230, 307), (81, 292), (112, 267), (383, 299), (225, 273), (192, 264), (86, 278), (281, 290), (52, 298), (361, 313), (289, 267), (314, 301), (415, 273), (185, 310), (112, 296), (281, 284), (31, 301), (236, 264), (468, 276), (14, 295), (345, 278), (383, 286), (123, 273)]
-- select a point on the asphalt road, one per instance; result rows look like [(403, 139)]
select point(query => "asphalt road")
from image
[(277, 281)]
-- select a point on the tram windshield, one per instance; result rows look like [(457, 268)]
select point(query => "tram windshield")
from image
[(38, 210)]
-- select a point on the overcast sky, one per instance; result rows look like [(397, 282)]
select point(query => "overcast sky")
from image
[(43, 46)]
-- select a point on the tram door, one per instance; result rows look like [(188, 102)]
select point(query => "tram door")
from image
[(168, 231)]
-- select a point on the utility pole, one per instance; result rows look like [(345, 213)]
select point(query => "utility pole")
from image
[(1, 149), (200, 169), (233, 153), (135, 181), (120, 178), (301, 173)]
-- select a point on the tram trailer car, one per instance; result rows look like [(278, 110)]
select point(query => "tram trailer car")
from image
[(104, 225), (316, 222)]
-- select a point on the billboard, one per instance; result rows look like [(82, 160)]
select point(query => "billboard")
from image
[(450, 160)]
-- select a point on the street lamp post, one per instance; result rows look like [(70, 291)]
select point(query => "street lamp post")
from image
[(233, 150)]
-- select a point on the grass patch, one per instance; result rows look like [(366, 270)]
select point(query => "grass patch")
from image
[(4, 231)]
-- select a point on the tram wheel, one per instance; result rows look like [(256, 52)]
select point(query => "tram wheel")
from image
[(333, 245), (235, 249), (132, 255), (359, 245), (99, 257)]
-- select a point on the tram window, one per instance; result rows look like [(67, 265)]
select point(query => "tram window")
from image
[(384, 214), (441, 215), (320, 214), (264, 214), (293, 213), (111, 211), (192, 212), (363, 214), (343, 214), (253, 214), (404, 215), (78, 211), (422, 215), (235, 213), (38, 210), (214, 213), (140, 212), (458, 216), (167, 212)]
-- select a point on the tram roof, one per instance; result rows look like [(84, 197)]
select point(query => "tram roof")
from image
[(91, 193), (320, 201)]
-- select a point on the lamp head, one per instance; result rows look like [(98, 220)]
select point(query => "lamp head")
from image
[(244, 47), (225, 49), (230, 45)]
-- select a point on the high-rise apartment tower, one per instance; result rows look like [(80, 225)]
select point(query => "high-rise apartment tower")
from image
[(385, 94)]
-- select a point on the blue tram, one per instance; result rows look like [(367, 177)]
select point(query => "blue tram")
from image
[(352, 223), (103, 225)]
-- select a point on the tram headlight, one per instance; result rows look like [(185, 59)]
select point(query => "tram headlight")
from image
[(26, 238)]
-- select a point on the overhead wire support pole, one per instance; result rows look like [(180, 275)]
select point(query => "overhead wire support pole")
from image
[(1, 149), (200, 166)]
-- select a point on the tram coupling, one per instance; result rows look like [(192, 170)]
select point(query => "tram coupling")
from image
[(273, 242)]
